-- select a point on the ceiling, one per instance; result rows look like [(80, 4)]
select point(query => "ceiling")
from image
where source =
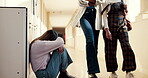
[(61, 5), (61, 11)]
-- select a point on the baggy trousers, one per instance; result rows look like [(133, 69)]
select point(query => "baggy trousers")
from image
[(119, 32), (111, 47), (87, 22), (58, 61)]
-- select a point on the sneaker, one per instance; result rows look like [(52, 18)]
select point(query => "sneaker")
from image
[(65, 75), (92, 75), (113, 75), (129, 75)]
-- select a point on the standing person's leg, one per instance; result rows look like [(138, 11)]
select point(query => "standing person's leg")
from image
[(58, 62), (92, 21), (129, 63), (96, 38), (91, 53), (110, 51)]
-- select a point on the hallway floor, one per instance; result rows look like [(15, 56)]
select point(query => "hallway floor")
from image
[(79, 69)]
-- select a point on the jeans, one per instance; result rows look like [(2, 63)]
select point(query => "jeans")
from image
[(58, 62), (87, 22)]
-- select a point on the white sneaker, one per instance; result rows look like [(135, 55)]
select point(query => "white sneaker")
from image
[(113, 75), (129, 75)]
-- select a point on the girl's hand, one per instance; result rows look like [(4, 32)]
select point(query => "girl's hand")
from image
[(108, 34), (61, 49)]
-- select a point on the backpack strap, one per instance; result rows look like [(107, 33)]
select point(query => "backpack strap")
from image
[(105, 9), (108, 6)]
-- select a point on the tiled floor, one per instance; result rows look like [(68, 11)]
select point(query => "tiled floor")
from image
[(78, 67)]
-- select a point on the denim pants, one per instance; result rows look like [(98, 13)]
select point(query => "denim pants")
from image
[(58, 62), (87, 22)]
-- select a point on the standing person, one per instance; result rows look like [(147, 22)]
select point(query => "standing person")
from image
[(49, 57), (89, 14), (117, 31)]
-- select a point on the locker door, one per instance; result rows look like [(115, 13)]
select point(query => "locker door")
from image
[(13, 42)]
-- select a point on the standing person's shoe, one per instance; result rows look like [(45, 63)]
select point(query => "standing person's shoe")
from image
[(129, 75), (65, 75), (113, 75), (92, 75)]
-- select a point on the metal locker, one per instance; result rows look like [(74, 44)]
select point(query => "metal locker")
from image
[(13, 42)]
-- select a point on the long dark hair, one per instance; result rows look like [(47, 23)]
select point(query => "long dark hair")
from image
[(48, 35)]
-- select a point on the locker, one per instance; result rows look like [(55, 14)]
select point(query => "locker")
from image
[(13, 42)]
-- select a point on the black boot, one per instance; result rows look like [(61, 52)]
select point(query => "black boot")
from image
[(65, 75)]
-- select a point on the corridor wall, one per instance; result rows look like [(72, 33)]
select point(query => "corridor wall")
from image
[(138, 39)]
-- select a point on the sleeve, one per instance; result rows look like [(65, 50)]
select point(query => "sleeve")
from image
[(125, 1), (100, 2), (83, 3), (49, 46), (105, 21)]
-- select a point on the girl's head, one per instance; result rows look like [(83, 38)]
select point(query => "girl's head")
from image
[(49, 35)]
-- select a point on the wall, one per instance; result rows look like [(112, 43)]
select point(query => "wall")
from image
[(2, 2), (75, 38), (138, 38), (69, 36)]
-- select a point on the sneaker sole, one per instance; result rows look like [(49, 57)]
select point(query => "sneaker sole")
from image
[(114, 77)]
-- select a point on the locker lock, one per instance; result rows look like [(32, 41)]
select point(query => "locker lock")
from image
[(18, 72), (18, 12)]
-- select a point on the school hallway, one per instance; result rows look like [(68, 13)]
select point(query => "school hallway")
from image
[(24, 20)]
